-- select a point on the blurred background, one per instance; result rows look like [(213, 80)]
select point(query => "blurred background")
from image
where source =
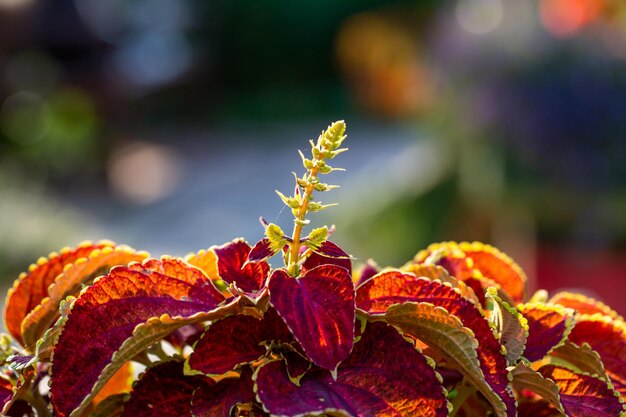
[(167, 125)]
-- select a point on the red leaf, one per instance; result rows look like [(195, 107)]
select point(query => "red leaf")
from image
[(328, 254), (583, 395), (31, 287), (319, 310), (385, 289), (164, 390), (220, 399), (236, 340), (261, 251), (607, 337), (384, 376), (106, 314), (548, 327), (231, 258)]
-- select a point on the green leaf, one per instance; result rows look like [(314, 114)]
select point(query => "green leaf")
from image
[(510, 325)]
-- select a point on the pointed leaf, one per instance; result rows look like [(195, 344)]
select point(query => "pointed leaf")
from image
[(607, 337), (69, 282), (220, 400), (319, 310), (236, 340), (31, 287), (583, 304), (548, 327), (524, 377), (584, 395), (128, 310), (163, 390), (392, 287), (261, 251), (510, 325), (232, 267), (328, 254), (383, 377), (446, 335)]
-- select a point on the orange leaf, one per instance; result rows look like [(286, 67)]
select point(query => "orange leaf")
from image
[(32, 287)]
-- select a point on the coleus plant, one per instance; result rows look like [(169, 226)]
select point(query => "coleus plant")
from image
[(104, 330)]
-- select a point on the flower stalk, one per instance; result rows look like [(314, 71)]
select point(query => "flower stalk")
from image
[(327, 147)]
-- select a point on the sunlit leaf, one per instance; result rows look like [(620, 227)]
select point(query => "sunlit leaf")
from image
[(437, 272), (328, 254), (476, 262), (233, 269), (69, 282), (380, 292), (261, 251), (499, 267), (236, 340), (510, 325), (446, 335), (524, 377), (318, 308), (607, 337), (584, 395), (129, 309), (32, 287), (548, 327), (579, 358), (383, 377), (583, 304), (164, 390)]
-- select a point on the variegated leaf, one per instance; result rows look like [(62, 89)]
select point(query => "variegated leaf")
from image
[(377, 294)]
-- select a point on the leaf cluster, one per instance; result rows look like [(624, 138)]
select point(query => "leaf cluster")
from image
[(222, 333)]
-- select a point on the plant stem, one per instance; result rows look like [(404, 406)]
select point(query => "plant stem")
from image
[(298, 224)]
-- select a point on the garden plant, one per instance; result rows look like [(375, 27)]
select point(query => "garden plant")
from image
[(104, 330)]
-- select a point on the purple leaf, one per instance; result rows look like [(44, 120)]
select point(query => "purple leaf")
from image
[(261, 251), (236, 340), (384, 376), (328, 254), (220, 399), (164, 390), (319, 309)]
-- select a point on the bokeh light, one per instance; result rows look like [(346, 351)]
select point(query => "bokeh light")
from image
[(479, 16), (142, 173)]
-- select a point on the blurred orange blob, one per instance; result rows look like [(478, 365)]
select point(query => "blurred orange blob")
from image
[(382, 62), (565, 18)]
